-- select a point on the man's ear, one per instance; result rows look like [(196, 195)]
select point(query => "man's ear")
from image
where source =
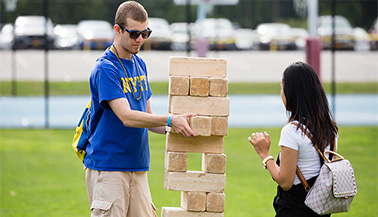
[(117, 29)]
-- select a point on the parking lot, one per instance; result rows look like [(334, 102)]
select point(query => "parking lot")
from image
[(242, 66), (219, 33)]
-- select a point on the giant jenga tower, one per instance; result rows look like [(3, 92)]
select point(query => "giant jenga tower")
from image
[(200, 86)]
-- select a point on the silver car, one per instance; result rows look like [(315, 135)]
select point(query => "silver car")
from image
[(344, 38)]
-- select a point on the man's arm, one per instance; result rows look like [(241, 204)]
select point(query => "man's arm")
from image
[(138, 119), (159, 130)]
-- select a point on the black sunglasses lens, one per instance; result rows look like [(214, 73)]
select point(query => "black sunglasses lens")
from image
[(134, 35), (146, 34)]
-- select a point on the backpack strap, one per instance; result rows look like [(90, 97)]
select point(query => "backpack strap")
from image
[(313, 142), (96, 120), (101, 110), (323, 157)]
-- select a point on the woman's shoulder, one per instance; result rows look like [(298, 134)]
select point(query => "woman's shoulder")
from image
[(292, 136), (291, 126), (293, 130)]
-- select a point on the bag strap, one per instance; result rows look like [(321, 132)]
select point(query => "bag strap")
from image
[(100, 110), (303, 180), (298, 171), (96, 120)]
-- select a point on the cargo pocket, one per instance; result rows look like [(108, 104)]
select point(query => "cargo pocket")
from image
[(100, 208)]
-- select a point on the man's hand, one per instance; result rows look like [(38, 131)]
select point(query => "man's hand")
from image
[(181, 126)]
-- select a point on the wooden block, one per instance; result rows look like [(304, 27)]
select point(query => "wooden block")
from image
[(199, 86), (201, 125), (215, 202), (199, 144), (179, 212), (198, 67), (219, 126), (193, 201), (179, 85), (214, 163), (176, 161), (213, 106), (218, 87), (194, 181)]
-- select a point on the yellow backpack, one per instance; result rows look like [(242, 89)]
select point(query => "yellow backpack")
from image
[(82, 135)]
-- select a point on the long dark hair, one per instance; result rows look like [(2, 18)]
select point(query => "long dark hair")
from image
[(307, 103)]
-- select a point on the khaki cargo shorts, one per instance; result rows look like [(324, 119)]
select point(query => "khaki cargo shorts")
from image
[(116, 194)]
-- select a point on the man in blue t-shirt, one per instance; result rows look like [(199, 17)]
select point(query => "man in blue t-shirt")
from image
[(117, 156)]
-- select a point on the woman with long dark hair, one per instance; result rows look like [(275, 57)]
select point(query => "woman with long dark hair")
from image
[(307, 105)]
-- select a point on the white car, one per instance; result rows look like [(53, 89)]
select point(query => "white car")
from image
[(181, 35), (275, 36), (29, 32), (6, 37), (300, 36), (218, 32), (362, 39), (160, 38), (66, 36), (244, 39), (344, 38), (95, 34)]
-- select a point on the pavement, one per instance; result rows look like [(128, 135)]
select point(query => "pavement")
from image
[(242, 66)]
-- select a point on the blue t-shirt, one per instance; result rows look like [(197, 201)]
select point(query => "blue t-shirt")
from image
[(112, 146)]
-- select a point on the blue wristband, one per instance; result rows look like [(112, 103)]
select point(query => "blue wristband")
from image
[(169, 121)]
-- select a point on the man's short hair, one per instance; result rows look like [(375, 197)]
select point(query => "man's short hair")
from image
[(130, 9)]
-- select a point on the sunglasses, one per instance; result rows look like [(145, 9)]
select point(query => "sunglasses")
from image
[(135, 34)]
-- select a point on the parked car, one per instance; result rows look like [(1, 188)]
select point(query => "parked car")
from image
[(275, 36), (300, 36), (180, 35), (362, 39), (6, 37), (218, 32), (244, 39), (373, 32), (29, 32), (160, 38), (66, 37), (95, 34), (344, 38)]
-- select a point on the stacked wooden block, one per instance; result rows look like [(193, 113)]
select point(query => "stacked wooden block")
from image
[(199, 86)]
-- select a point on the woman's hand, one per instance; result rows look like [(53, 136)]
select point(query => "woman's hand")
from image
[(261, 143)]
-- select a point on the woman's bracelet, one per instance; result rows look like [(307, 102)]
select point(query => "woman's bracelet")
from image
[(266, 160)]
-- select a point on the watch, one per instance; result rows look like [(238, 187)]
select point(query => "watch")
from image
[(266, 160)]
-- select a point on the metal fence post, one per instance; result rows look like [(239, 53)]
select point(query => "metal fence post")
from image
[(333, 82), (46, 82)]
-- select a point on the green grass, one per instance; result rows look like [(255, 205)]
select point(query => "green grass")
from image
[(41, 175), (25, 88)]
